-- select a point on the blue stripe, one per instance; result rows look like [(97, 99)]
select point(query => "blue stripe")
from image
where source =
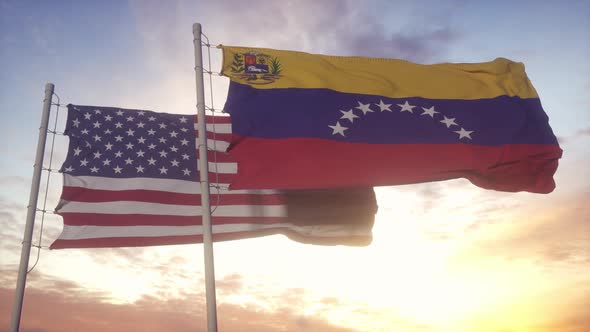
[(296, 112)]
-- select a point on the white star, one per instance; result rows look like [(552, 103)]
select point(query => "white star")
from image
[(129, 146), (186, 171), (106, 162), (174, 162), (464, 133), (184, 142), (69, 169), (163, 170), (84, 131), (84, 162), (108, 146), (162, 140), (140, 125), (183, 120), (163, 154), (151, 132), (449, 122), (108, 117), (141, 140), (151, 161), (139, 169), (151, 146), (97, 111), (174, 149), (406, 107), (152, 118), (118, 154), (118, 125), (430, 111), (338, 129), (119, 113), (141, 113), (119, 138), (76, 122), (184, 130), (366, 108), (140, 153), (108, 132), (117, 169), (163, 125), (130, 132), (383, 106), (88, 145), (185, 156), (173, 134), (94, 169), (348, 115), (87, 116), (97, 138), (128, 161), (97, 124), (77, 151)]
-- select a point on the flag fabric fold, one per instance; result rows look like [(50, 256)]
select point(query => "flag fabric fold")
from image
[(302, 120), (131, 179)]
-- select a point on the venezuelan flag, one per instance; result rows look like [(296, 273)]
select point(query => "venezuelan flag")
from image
[(303, 120)]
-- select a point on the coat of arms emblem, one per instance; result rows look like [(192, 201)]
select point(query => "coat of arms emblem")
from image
[(256, 68)]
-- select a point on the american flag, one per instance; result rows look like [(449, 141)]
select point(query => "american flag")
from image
[(131, 179)]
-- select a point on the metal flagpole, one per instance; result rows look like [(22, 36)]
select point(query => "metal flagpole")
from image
[(31, 212), (204, 176)]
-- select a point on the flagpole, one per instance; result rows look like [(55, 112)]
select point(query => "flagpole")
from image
[(204, 176), (31, 212)]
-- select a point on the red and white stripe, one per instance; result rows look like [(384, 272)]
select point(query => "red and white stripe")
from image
[(105, 212)]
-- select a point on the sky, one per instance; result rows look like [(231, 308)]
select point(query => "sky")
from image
[(446, 256)]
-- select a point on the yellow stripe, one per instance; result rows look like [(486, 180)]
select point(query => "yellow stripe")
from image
[(382, 77)]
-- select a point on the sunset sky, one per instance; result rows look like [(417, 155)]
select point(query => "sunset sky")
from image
[(446, 256)]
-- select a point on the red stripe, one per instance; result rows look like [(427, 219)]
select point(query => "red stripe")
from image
[(79, 194), (186, 239), (223, 179), (217, 119), (298, 163), (94, 219), (220, 157), (217, 136)]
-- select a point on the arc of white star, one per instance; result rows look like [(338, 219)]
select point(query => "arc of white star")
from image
[(141, 112), (130, 132), (97, 138), (174, 162), (118, 154), (69, 169), (108, 117), (464, 133), (383, 106), (348, 115), (108, 146), (185, 156), (76, 123), (96, 124), (406, 107), (139, 169), (119, 113), (106, 162), (338, 129), (174, 148), (162, 140), (163, 170), (186, 171), (94, 169), (173, 134), (151, 146), (84, 131), (449, 121), (108, 132), (163, 154), (117, 169), (128, 161), (141, 140), (152, 118), (87, 116), (140, 125), (429, 111), (118, 125), (366, 108), (129, 118), (129, 146), (183, 120), (97, 111), (163, 125), (84, 162), (77, 151), (151, 132), (151, 161), (184, 142), (140, 153)]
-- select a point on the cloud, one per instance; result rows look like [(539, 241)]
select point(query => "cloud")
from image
[(66, 306)]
